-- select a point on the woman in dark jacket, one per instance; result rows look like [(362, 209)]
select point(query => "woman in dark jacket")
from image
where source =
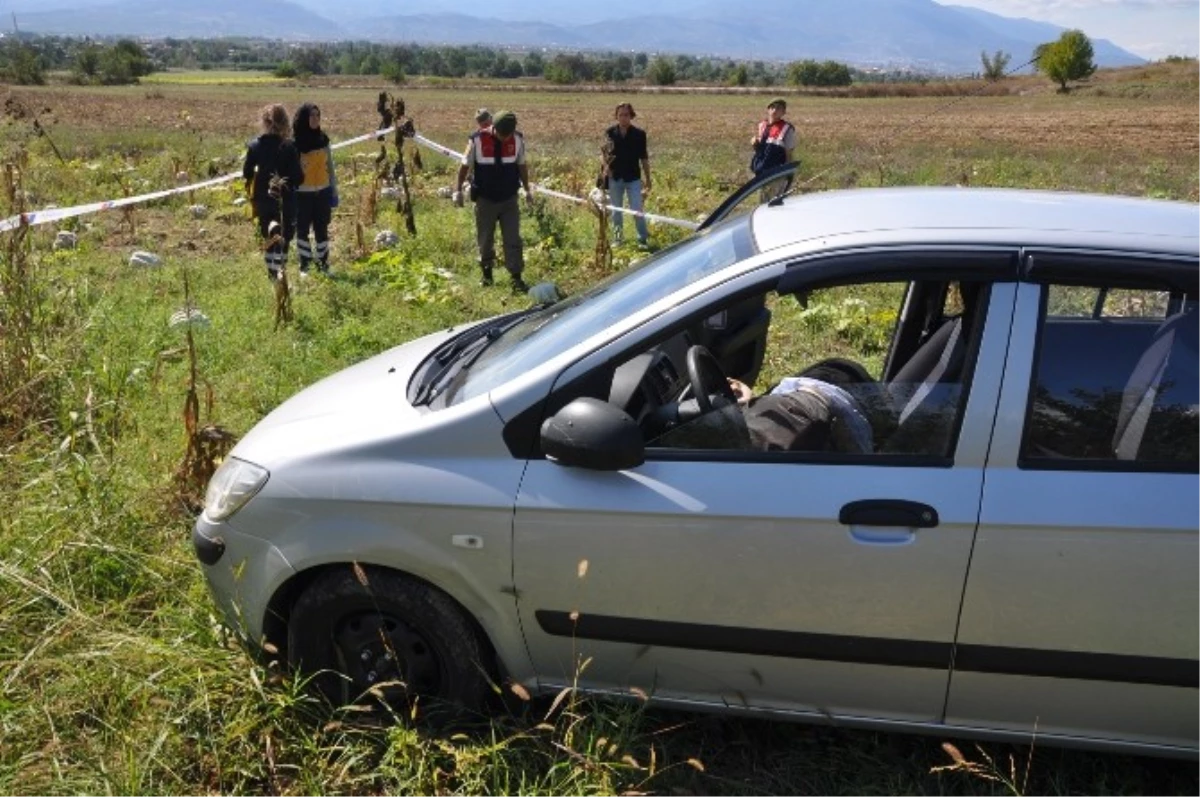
[(272, 173), (317, 195)]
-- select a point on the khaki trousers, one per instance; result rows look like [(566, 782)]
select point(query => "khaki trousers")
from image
[(508, 213)]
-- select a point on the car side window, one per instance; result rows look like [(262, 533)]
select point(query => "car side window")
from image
[(805, 374), (1115, 386), (1076, 301)]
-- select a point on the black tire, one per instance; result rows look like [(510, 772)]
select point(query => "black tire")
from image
[(386, 637)]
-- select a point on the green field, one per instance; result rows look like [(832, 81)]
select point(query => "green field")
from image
[(213, 77), (116, 675)]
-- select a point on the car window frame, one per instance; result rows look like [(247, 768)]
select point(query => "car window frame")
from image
[(993, 264)]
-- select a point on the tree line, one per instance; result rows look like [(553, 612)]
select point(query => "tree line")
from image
[(397, 62), (26, 59)]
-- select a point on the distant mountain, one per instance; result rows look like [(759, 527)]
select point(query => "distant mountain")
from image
[(1106, 53), (553, 12), (22, 7), (919, 34), (916, 33), (462, 29), (278, 19), (1020, 27)]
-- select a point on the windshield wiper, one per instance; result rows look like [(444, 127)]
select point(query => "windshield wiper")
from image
[(463, 359), (462, 351), (450, 350), (498, 326)]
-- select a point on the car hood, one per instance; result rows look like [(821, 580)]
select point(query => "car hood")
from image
[(359, 404)]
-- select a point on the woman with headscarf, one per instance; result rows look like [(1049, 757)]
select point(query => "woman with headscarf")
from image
[(317, 196)]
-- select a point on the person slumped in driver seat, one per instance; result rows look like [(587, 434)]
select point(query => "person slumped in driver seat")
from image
[(804, 414)]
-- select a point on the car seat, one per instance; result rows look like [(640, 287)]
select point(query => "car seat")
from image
[(939, 359), (1158, 415), (928, 383)]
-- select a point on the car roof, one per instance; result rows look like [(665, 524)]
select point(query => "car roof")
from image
[(980, 215)]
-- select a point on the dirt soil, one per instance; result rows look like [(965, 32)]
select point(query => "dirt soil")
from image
[(1166, 127)]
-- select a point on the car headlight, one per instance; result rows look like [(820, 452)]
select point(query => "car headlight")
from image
[(234, 483)]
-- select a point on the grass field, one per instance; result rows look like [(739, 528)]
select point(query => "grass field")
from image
[(115, 673), (212, 78)]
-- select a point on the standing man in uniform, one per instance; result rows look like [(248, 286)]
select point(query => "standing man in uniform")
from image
[(630, 161), (775, 141), (495, 159)]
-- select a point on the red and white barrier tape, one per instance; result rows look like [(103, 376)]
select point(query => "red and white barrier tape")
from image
[(48, 215), (35, 217), (653, 217), (436, 147)]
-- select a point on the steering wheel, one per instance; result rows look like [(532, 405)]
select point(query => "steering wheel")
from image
[(707, 379)]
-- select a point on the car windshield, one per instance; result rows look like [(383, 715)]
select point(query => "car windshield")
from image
[(545, 334)]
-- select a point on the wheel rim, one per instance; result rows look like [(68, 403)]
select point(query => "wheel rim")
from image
[(375, 648)]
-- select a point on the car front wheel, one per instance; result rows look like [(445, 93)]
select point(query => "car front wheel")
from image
[(368, 635)]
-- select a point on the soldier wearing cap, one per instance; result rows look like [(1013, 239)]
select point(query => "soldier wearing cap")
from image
[(775, 141), (483, 118), (495, 159)]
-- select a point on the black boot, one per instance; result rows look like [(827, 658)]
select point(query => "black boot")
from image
[(518, 284), (486, 280)]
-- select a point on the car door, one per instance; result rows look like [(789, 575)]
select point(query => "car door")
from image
[(810, 583), (1080, 615)]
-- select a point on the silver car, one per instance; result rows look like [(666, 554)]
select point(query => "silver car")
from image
[(963, 501)]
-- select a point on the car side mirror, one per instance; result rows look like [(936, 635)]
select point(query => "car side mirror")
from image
[(590, 433)]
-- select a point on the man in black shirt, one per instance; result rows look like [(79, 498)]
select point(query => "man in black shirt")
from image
[(624, 168)]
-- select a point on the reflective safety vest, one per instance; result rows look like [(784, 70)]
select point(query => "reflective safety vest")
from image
[(769, 150), (315, 164), (496, 175)]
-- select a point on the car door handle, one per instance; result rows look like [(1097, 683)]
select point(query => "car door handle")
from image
[(888, 512)]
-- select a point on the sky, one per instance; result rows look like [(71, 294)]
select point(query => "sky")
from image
[(1150, 28)]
